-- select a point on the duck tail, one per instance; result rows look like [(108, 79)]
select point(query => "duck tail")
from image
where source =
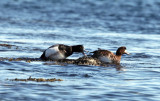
[(43, 56)]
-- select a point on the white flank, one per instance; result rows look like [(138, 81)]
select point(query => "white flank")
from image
[(105, 59), (53, 53)]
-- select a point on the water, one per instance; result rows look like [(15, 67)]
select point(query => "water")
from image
[(34, 25)]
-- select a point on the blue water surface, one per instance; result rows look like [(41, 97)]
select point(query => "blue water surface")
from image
[(34, 25)]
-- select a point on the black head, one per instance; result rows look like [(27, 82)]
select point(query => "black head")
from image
[(121, 50), (78, 48)]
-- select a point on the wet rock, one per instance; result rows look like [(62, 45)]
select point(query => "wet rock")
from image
[(87, 61), (20, 59), (8, 45), (36, 79), (80, 61), (68, 61)]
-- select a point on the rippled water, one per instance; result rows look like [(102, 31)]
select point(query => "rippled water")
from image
[(34, 25)]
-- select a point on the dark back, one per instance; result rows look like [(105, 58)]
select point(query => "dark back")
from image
[(98, 53), (66, 50)]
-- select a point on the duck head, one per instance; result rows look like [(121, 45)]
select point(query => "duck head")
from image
[(78, 48), (121, 51)]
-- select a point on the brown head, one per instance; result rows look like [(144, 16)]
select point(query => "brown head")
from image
[(121, 51)]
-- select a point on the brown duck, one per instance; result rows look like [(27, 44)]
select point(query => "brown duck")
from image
[(106, 56)]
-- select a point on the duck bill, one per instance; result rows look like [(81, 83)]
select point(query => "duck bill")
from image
[(126, 52), (84, 53)]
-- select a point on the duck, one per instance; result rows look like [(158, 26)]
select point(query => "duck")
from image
[(61, 51), (106, 56)]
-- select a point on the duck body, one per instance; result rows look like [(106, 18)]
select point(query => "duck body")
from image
[(60, 51), (106, 56)]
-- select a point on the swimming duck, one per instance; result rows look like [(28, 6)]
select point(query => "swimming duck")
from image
[(61, 51), (106, 56)]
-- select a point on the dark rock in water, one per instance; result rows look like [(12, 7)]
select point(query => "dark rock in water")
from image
[(8, 45), (80, 61), (87, 61), (20, 59), (68, 61), (37, 79)]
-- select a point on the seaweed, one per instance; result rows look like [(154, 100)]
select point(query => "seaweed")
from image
[(80, 61), (36, 79), (8, 45)]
